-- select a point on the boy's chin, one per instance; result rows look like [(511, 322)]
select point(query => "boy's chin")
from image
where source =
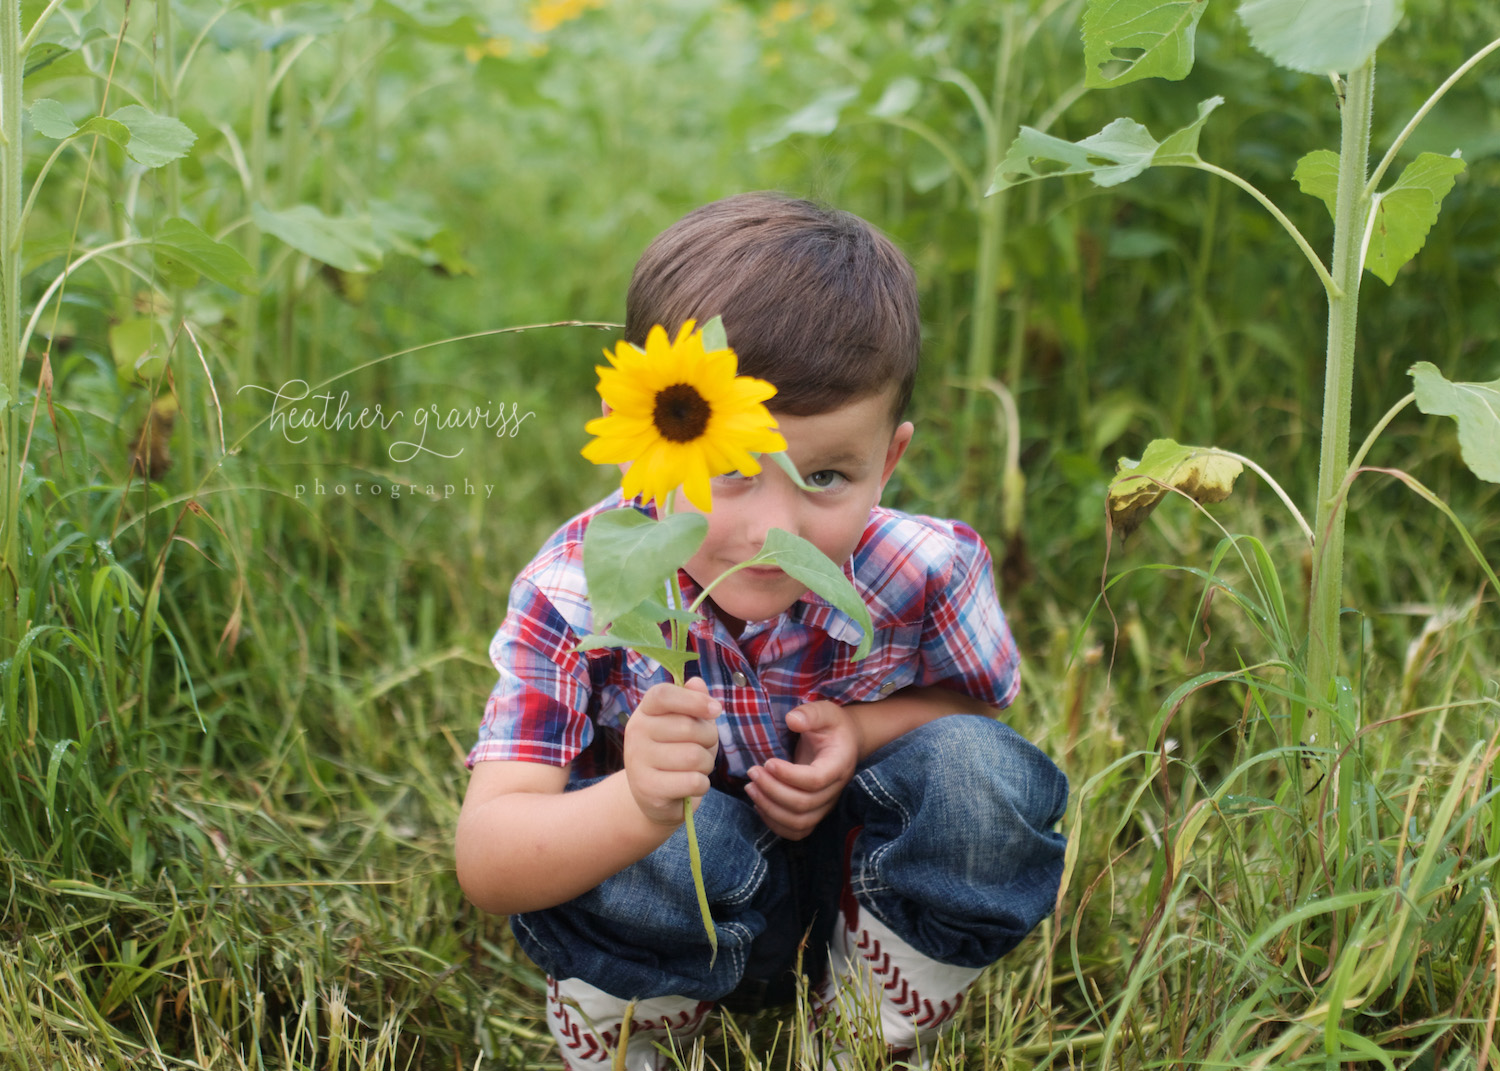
[(742, 605)]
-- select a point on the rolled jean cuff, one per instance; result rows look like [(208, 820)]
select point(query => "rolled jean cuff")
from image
[(957, 855)]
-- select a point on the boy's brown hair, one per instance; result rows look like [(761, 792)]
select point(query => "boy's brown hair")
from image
[(815, 300)]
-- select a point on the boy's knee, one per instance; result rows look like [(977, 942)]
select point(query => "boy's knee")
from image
[(971, 766)]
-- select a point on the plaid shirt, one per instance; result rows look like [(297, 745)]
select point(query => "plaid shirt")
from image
[(930, 591)]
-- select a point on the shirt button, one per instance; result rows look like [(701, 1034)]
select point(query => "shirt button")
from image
[(887, 688), (740, 680)]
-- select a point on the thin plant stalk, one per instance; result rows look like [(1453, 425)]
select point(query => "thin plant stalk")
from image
[(695, 857), (1338, 388), (12, 62)]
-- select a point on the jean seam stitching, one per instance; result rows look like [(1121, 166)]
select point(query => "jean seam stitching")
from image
[(870, 782)]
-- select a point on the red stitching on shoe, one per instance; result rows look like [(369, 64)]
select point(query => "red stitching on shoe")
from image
[(908, 1001)]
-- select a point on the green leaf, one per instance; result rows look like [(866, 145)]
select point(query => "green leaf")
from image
[(1181, 147), (629, 558), (639, 630), (784, 463), (1127, 40), (819, 118), (346, 242), (809, 566), (118, 133), (1201, 473), (898, 98), (714, 337), (183, 252), (50, 120), (139, 347), (1317, 174), (1406, 212), (1403, 214), (1476, 408), (1120, 151), (1318, 36), (154, 139)]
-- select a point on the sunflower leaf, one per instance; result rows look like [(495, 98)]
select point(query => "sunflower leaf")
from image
[(1203, 474), (640, 631), (713, 334), (784, 463), (808, 565), (1475, 407), (629, 558)]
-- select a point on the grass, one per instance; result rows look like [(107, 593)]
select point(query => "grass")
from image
[(233, 717)]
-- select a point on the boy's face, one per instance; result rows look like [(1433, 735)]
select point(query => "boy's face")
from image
[(849, 453)]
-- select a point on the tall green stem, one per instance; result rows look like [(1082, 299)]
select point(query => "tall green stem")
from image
[(1351, 208), (11, 63), (990, 212)]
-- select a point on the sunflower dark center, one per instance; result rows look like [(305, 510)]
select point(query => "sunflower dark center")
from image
[(681, 413)]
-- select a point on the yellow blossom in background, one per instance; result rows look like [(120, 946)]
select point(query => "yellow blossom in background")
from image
[(498, 47), (547, 15), (679, 415)]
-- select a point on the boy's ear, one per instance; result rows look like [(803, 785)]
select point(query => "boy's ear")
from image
[(900, 440)]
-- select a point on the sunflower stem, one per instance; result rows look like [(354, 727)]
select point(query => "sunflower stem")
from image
[(695, 858)]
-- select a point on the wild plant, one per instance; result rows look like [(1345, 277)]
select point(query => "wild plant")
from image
[(1378, 865)]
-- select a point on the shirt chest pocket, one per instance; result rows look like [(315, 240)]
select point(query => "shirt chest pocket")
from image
[(894, 665)]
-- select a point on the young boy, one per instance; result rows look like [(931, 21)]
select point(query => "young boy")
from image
[(875, 809)]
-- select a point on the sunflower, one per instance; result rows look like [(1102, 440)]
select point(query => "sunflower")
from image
[(679, 415)]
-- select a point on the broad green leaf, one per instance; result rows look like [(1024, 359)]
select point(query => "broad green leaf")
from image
[(1122, 150), (346, 242), (1127, 40), (809, 566), (4, 395), (50, 120), (784, 463), (1476, 408), (183, 252), (1317, 174), (154, 139), (714, 337), (118, 133), (396, 228), (1198, 472), (139, 347), (1406, 212), (1181, 147), (1318, 36), (640, 631), (819, 118), (629, 558), (436, 20), (898, 98), (1403, 214)]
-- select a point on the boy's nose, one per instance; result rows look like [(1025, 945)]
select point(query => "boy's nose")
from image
[(775, 507)]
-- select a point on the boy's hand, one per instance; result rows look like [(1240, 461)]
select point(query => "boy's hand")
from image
[(670, 747), (793, 797)]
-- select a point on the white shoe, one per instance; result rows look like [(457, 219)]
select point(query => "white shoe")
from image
[(870, 967), (586, 1023)]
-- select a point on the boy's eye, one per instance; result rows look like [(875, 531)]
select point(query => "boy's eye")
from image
[(824, 479), (731, 477)]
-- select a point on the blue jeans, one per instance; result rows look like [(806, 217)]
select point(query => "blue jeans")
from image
[(945, 835)]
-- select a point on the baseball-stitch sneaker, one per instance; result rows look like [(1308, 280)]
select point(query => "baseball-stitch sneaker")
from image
[(871, 968), (586, 1022)]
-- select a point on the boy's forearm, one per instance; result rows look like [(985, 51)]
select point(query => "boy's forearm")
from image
[(881, 721), (525, 851)]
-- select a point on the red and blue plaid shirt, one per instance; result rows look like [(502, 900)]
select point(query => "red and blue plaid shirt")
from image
[(928, 585)]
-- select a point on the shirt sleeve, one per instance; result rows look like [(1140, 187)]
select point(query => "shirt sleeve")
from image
[(537, 711), (966, 644)]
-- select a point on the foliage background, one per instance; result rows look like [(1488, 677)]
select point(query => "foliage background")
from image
[(236, 700)]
